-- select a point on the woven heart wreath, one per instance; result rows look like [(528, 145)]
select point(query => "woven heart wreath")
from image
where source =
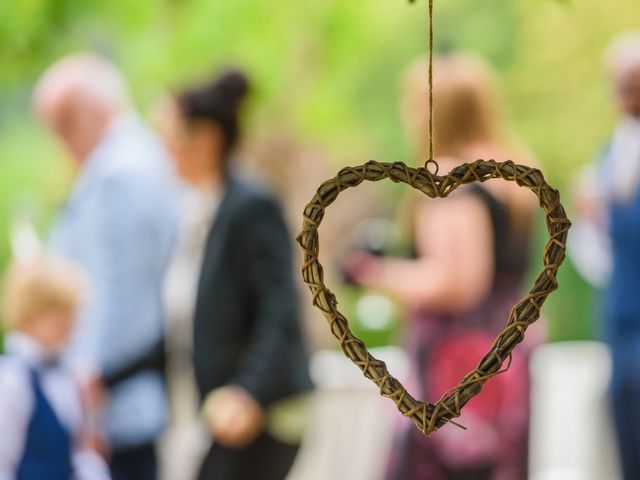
[(429, 417)]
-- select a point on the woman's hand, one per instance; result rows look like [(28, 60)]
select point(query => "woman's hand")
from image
[(233, 417), (360, 267), (454, 268)]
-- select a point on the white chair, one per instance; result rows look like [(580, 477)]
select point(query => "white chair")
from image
[(571, 427)]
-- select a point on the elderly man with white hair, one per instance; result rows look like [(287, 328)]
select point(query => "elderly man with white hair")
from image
[(606, 245), (119, 225)]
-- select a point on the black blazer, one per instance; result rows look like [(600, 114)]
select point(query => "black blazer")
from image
[(247, 328)]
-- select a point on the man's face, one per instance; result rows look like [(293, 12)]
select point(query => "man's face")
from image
[(628, 90), (78, 125)]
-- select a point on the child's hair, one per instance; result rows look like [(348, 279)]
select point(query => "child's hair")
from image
[(39, 285)]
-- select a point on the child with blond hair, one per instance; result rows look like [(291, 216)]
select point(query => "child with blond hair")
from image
[(43, 421)]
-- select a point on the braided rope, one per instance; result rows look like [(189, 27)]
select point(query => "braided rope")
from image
[(426, 416)]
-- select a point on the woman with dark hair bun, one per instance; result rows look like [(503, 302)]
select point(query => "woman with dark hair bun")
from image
[(231, 284), (217, 102)]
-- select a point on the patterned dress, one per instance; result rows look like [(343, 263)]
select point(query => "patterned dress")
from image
[(444, 347)]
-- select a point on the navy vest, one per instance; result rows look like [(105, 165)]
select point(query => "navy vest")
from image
[(48, 448), (622, 305)]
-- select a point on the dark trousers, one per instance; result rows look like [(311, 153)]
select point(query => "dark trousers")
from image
[(136, 463), (625, 394), (265, 459)]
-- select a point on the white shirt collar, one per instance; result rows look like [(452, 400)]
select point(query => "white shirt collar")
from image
[(27, 349), (95, 162), (121, 122)]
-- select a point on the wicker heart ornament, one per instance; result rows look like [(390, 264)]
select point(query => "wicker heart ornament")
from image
[(426, 416)]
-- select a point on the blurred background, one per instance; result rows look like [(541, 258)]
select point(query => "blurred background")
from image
[(326, 78)]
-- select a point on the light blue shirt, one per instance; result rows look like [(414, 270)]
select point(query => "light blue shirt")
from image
[(119, 225)]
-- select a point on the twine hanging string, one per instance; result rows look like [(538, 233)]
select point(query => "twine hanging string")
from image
[(430, 160)]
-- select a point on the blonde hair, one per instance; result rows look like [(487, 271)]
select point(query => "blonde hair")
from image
[(38, 285), (467, 104)]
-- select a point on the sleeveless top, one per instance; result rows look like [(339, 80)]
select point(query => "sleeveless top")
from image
[(48, 448), (510, 248)]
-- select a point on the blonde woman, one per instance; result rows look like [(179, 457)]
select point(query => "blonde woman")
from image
[(471, 254)]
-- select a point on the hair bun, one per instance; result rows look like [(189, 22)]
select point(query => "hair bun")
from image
[(218, 101), (233, 84)]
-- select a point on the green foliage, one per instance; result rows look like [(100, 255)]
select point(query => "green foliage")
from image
[(326, 71)]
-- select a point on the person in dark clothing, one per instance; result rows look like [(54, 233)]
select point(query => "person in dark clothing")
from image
[(249, 357), (611, 210)]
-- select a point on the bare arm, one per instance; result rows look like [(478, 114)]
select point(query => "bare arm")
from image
[(454, 267)]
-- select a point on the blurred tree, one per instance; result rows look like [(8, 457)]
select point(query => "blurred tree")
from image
[(325, 71)]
